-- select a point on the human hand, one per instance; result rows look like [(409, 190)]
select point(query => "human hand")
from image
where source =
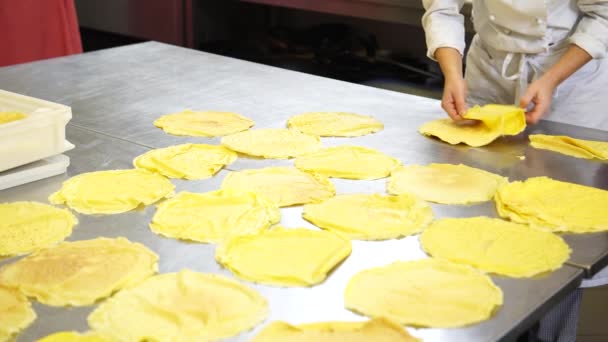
[(539, 93), (454, 95)]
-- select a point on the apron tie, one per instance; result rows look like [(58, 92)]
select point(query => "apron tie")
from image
[(520, 75)]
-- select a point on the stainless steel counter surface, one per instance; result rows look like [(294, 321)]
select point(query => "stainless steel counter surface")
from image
[(119, 92), (116, 94), (525, 299)]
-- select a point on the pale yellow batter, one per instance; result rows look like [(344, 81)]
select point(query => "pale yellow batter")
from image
[(28, 226), (445, 183), (214, 216), (274, 143), (550, 204), (72, 336), (189, 161), (374, 330), (285, 186), (16, 313), (283, 257), (6, 117), (203, 124), (427, 293), (351, 162), (579, 148), (370, 217), (82, 272), (494, 121), (335, 124), (112, 192), (496, 246), (183, 306)]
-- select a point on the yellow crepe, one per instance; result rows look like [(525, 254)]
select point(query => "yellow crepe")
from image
[(579, 148), (189, 161), (376, 330), (6, 117), (275, 143), (112, 192), (28, 226), (445, 183), (495, 246), (335, 124), (184, 306), (16, 313), (351, 162), (558, 206), (370, 217), (82, 272), (494, 121), (284, 186), (283, 256), (427, 293), (214, 216), (203, 124), (71, 336)]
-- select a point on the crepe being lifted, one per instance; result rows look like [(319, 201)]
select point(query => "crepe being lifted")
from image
[(376, 330), (550, 204), (28, 226), (284, 257), (203, 124), (16, 313), (579, 148), (189, 161), (496, 246), (427, 293), (351, 162), (334, 124), (285, 186), (113, 191), (214, 216), (71, 336), (493, 122), (183, 306), (82, 272), (370, 216), (445, 183), (274, 143)]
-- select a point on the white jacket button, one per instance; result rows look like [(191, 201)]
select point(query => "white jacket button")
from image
[(492, 17), (539, 21)]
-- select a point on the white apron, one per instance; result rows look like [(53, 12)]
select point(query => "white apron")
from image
[(498, 77)]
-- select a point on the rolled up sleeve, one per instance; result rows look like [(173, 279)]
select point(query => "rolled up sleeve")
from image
[(443, 25), (592, 31)]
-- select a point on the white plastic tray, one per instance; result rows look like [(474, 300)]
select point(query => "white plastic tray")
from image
[(40, 135)]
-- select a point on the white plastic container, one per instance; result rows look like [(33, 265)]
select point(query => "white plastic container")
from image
[(40, 135)]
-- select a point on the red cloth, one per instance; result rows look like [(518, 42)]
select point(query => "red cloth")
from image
[(37, 29)]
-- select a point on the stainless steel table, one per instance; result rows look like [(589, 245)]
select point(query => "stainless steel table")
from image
[(116, 94), (525, 299)]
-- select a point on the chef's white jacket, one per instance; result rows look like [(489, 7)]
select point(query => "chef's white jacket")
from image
[(518, 40)]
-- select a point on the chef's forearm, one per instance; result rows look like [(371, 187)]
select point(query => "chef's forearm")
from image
[(574, 58), (450, 62)]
